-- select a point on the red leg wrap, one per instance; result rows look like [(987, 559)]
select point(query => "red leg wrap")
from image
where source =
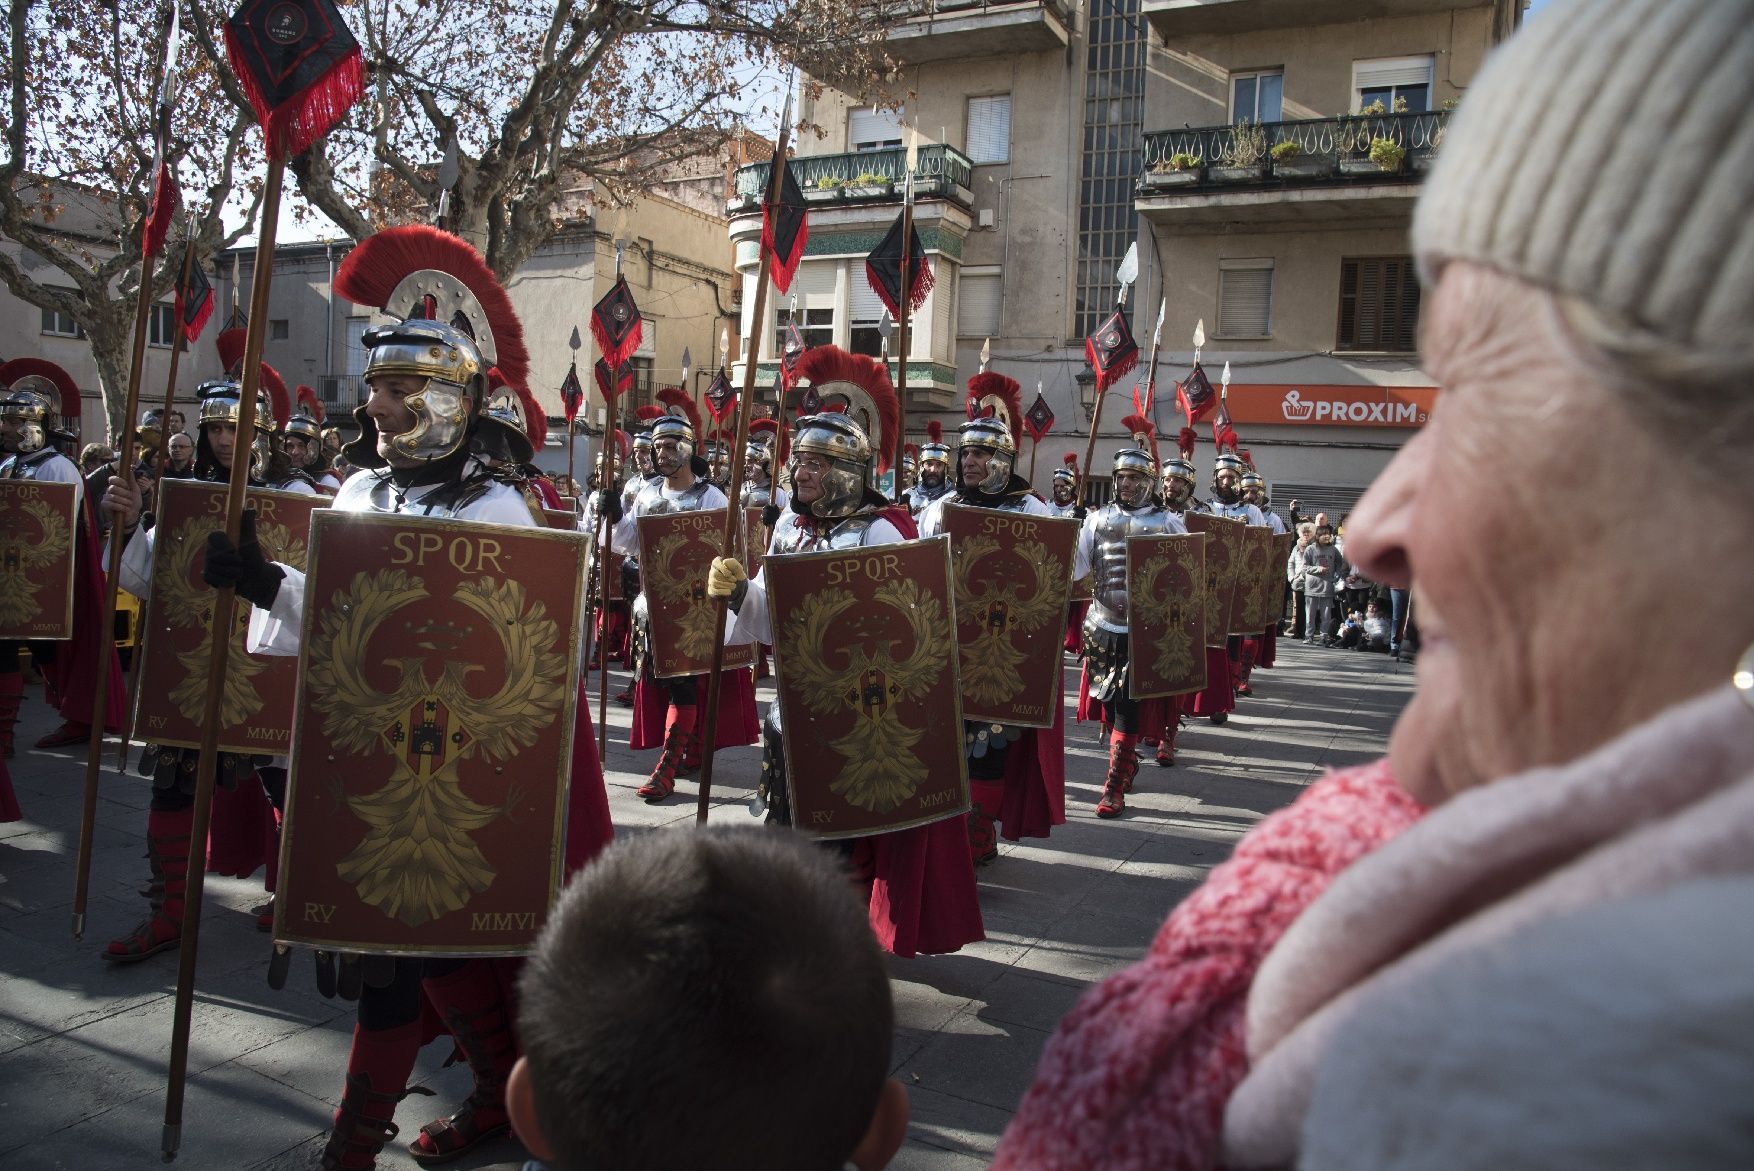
[(473, 1004), (167, 841), (378, 1066)]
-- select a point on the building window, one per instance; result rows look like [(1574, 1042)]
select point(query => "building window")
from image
[(58, 324), (1401, 84), (646, 250), (865, 314), (279, 329), (1245, 299), (354, 345), (989, 129), (1379, 304), (873, 129), (817, 326), (1257, 97), (979, 302), (1113, 154), (161, 327)]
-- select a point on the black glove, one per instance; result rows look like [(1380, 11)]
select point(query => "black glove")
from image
[(738, 593), (242, 566), (770, 516), (1080, 512), (609, 505)]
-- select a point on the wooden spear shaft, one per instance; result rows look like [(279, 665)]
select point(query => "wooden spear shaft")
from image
[(605, 532), (902, 315), (106, 641), (219, 635), (734, 514), (163, 461)]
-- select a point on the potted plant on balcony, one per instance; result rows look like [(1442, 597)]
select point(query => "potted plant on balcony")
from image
[(1387, 154), (1245, 159), (869, 185), (827, 189), (1180, 169), (1291, 161)]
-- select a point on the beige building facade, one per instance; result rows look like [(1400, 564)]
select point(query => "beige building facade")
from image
[(1051, 134)]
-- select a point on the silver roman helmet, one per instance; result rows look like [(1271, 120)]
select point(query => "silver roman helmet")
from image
[(41, 401), (993, 404), (863, 409), (1141, 459), (453, 324)]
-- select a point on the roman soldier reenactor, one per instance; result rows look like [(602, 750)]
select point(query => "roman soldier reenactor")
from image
[(303, 441), (934, 470), (1017, 776), (424, 443), (910, 467), (39, 425), (1228, 470), (759, 489), (1102, 547), (666, 711), (921, 885), (1262, 650), (249, 789)]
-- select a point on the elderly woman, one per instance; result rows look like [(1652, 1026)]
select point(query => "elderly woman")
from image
[(1526, 939)]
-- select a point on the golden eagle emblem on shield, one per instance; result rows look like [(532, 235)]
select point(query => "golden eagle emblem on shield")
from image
[(1003, 606), (871, 680), (19, 555), (418, 859)]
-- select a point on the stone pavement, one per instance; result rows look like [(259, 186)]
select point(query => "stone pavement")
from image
[(83, 1045)]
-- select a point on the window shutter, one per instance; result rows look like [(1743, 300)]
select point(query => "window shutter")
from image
[(865, 304), (989, 129), (978, 304), (1245, 300), (869, 128), (1391, 71), (1379, 304), (1348, 303)]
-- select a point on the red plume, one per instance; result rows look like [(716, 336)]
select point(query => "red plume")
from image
[(934, 431), (821, 365), (378, 264), (230, 344), (912, 449), (1071, 460), (763, 427), (65, 387), (1144, 432), (624, 441), (535, 418), (680, 404), (307, 398), (992, 384), (279, 398), (649, 412), (1185, 443), (1247, 459)]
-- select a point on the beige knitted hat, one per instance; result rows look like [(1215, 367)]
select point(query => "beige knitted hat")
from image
[(1606, 151)]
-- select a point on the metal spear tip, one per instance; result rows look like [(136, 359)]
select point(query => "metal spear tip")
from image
[(687, 365), (1224, 379), (986, 354), (575, 341), (448, 169), (724, 344), (1200, 333), (1128, 272), (885, 325)]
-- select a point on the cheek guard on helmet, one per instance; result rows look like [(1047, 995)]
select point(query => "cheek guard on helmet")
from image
[(990, 434), (843, 443)]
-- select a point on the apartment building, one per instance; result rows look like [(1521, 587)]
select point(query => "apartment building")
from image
[(1264, 155)]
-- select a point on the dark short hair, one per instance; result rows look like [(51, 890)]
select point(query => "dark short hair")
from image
[(707, 998)]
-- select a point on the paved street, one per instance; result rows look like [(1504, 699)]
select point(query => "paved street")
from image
[(83, 1045)]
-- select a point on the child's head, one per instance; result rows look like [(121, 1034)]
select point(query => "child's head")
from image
[(1324, 534), (708, 999), (1373, 608)]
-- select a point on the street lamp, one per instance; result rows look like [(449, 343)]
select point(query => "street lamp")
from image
[(1086, 380)]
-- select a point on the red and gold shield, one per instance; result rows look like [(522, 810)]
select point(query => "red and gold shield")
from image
[(868, 689), (1223, 561), (255, 712), (1166, 614), (437, 689), (675, 551), (755, 538), (1252, 579), (39, 520), (564, 519), (1278, 563), (1012, 574)]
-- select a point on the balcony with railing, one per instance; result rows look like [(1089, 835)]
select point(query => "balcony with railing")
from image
[(941, 30), (1170, 19), (1311, 169), (864, 177)]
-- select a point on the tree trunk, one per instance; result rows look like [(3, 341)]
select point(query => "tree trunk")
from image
[(111, 342)]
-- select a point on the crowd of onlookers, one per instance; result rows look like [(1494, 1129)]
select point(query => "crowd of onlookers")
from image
[(1334, 605)]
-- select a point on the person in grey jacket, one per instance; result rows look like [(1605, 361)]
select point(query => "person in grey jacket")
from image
[(1322, 568)]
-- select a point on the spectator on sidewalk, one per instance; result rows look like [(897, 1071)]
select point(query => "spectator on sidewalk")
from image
[(1322, 569), (1522, 942), (1294, 574), (1376, 628)]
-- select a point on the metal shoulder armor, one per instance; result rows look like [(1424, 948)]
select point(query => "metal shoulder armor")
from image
[(1108, 562)]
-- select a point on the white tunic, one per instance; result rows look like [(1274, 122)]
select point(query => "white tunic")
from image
[(275, 631)]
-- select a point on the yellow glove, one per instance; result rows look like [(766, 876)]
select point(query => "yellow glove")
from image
[(722, 578)]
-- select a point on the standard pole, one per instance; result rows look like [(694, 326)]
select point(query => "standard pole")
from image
[(164, 443), (106, 641), (734, 514), (902, 315), (602, 540), (220, 638)]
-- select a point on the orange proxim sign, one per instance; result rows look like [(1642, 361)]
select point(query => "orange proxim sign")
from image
[(1404, 407)]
